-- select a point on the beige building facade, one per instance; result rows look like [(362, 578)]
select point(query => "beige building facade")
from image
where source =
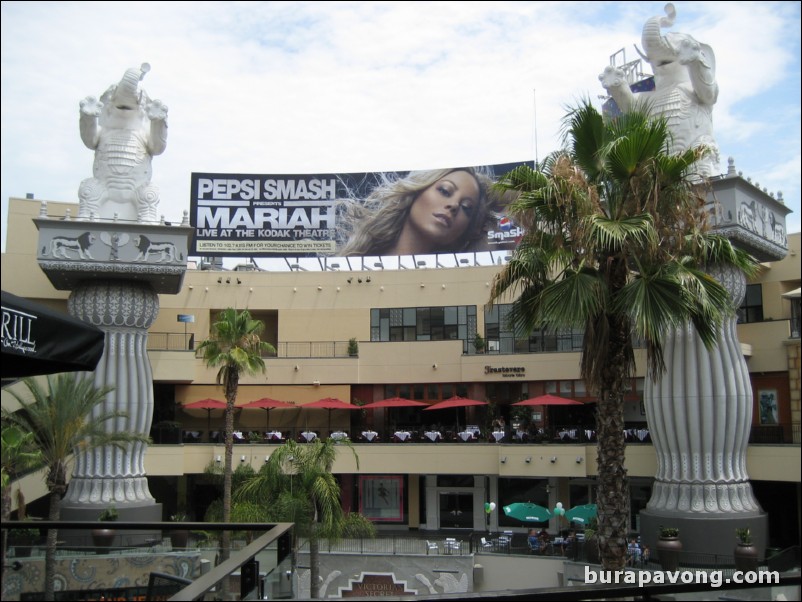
[(415, 330)]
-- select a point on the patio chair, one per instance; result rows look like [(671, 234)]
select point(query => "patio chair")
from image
[(432, 545), (485, 543)]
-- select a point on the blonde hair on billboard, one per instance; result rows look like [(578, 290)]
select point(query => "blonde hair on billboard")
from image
[(372, 226)]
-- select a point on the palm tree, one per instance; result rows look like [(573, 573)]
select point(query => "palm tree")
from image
[(296, 485), (19, 453), (236, 347), (616, 244), (63, 417)]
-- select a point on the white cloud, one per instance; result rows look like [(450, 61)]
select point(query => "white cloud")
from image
[(274, 87)]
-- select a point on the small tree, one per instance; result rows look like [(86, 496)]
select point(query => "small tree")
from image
[(296, 485), (60, 417), (18, 454), (236, 347)]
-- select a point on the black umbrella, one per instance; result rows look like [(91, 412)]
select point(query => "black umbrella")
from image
[(40, 340)]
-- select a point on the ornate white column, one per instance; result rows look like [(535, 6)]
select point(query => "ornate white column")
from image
[(124, 310), (700, 415)]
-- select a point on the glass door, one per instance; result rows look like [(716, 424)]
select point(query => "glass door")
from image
[(456, 510)]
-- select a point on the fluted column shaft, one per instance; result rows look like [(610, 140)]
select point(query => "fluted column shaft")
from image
[(124, 310), (700, 415)]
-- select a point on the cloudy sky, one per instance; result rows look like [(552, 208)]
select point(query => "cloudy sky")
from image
[(308, 87)]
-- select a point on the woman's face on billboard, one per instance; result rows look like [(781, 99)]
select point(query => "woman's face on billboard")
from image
[(441, 214)]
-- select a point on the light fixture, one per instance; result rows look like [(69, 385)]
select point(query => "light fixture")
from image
[(579, 459), (444, 287), (503, 459), (242, 458), (228, 280), (528, 459), (220, 280), (250, 289), (381, 288), (359, 280), (434, 366), (422, 285), (267, 458), (239, 281), (320, 288), (218, 459), (297, 367), (191, 287), (316, 383), (553, 459), (207, 289), (350, 280), (338, 289), (367, 279)]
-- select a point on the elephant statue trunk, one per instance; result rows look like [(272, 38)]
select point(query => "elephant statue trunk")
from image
[(127, 95), (656, 47)]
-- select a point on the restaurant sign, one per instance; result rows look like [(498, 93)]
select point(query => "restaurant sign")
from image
[(374, 585), (506, 371)]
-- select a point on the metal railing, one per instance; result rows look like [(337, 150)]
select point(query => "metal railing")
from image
[(241, 566)]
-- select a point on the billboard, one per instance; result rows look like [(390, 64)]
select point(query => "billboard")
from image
[(353, 214)]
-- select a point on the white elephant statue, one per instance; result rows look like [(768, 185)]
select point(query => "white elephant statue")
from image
[(685, 87), (126, 129)]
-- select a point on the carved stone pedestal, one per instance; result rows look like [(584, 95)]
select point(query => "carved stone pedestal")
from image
[(115, 272)]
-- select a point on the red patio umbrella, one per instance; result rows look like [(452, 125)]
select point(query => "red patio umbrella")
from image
[(393, 402), (548, 400), (329, 404), (455, 402), (268, 404), (208, 405)]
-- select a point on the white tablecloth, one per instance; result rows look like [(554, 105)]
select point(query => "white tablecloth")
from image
[(403, 435), (339, 435), (433, 435), (498, 435), (274, 436), (466, 435), (309, 435), (370, 435)]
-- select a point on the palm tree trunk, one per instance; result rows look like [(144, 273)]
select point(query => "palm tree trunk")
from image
[(4, 516), (314, 563), (613, 492), (231, 385), (50, 548)]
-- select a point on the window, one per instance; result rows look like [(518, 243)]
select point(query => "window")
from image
[(751, 309), (502, 339), (450, 323)]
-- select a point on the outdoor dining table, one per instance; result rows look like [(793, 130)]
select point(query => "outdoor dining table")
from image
[(498, 435), (402, 435), (309, 436), (433, 436), (466, 435), (339, 435), (274, 435), (370, 435), (451, 545)]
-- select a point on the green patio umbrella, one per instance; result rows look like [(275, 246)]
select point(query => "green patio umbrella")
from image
[(527, 512), (582, 514)]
